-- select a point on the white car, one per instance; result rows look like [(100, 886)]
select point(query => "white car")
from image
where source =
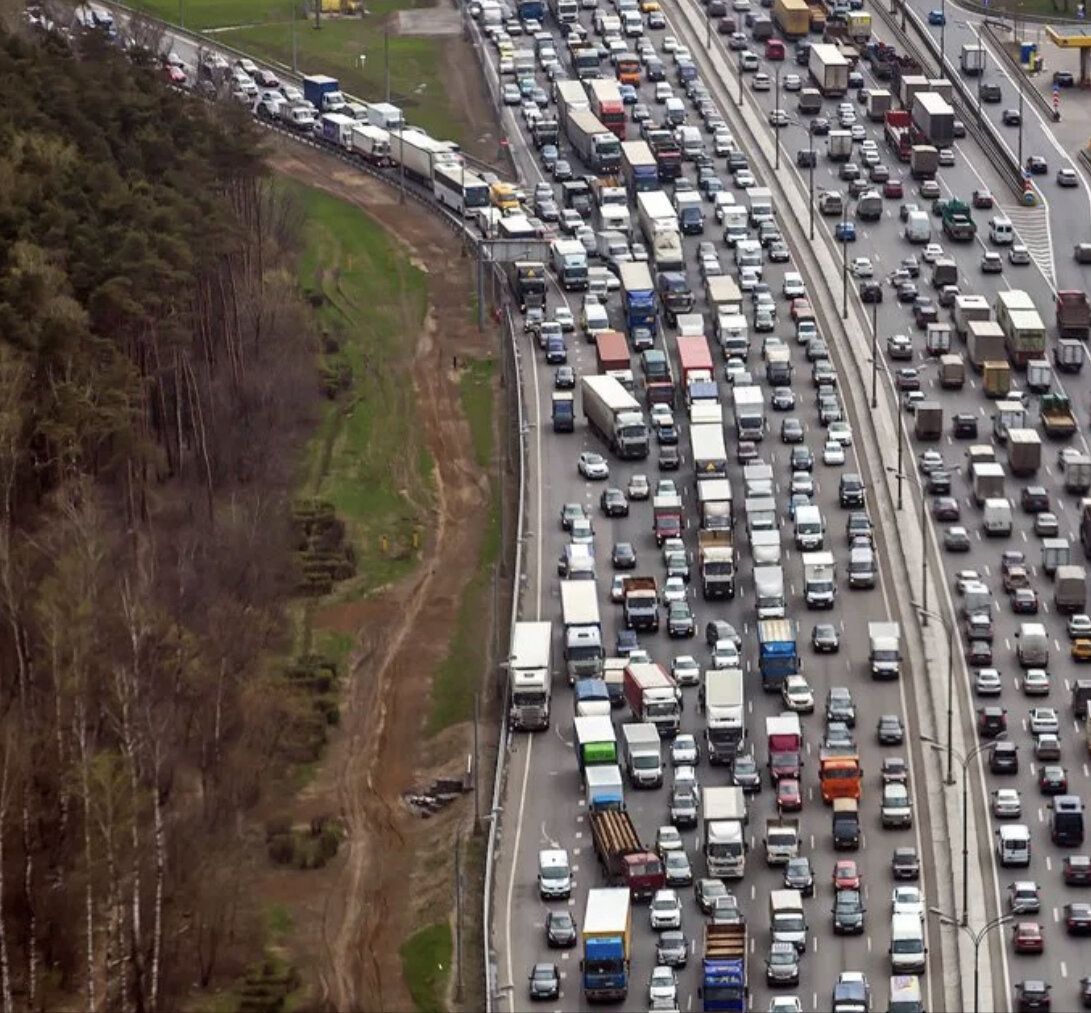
[(791, 82), (931, 253), (1044, 719), (617, 589), (797, 694), (793, 286), (762, 82), (785, 1004), (666, 487), (1079, 625), (662, 415), (563, 316), (666, 908), (802, 483), (639, 487), (778, 118), (570, 220), (668, 44), (686, 671), (907, 900), (964, 578), (861, 267), (725, 655), (745, 179), (663, 91), (684, 751), (946, 156), (674, 590), (840, 432), (1006, 803), (593, 466), (1018, 255), (662, 988), (833, 454)]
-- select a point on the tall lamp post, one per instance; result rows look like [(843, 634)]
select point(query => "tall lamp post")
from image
[(942, 37), (845, 259), (965, 761), (976, 938), (740, 79), (811, 159), (776, 117), (923, 609), (875, 360)]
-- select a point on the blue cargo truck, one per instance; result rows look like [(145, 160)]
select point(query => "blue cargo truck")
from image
[(530, 10), (638, 297), (777, 655), (607, 927), (723, 968)]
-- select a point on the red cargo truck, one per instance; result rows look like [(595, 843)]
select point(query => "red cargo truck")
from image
[(694, 358), (612, 351)]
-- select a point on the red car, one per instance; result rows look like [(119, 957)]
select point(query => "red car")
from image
[(789, 795), (802, 310), (893, 188), (1077, 870), (846, 875), (1027, 938), (1024, 601), (983, 199)]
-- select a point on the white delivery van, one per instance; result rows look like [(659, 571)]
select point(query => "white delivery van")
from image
[(1013, 845), (690, 141), (918, 229), (675, 111), (905, 994), (733, 332), (907, 949), (554, 873), (996, 520), (810, 529), (1001, 232), (748, 253)]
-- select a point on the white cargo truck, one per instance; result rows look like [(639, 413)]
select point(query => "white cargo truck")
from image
[(643, 754), (884, 650), (613, 413), (819, 583), (723, 701), (583, 651), (723, 815), (530, 672)]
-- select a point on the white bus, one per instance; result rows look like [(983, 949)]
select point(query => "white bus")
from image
[(458, 188)]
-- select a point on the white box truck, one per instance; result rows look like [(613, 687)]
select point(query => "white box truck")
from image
[(530, 672)]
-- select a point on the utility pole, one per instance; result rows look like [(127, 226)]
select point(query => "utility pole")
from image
[(317, 14), (386, 59), (294, 61), (458, 916)]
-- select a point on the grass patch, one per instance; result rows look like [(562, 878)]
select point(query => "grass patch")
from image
[(278, 922), (264, 30), (459, 674), (426, 964), (368, 457)]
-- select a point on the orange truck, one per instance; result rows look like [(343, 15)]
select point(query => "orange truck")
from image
[(839, 773)]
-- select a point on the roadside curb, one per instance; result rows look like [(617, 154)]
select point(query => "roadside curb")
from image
[(924, 645)]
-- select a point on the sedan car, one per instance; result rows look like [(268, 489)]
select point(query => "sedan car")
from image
[(545, 982), (791, 431), (956, 539), (1032, 995), (677, 869), (798, 875), (797, 695), (987, 682), (789, 795), (707, 891), (1052, 779), (1011, 118), (1077, 918), (848, 912), (1067, 177), (560, 930), (1076, 870), (1006, 803), (890, 731), (593, 466), (825, 638), (1027, 937), (1036, 682), (946, 508)]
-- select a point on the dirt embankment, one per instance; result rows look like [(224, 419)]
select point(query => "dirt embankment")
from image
[(395, 871)]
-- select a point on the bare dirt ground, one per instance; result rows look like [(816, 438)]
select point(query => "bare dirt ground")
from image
[(393, 874)]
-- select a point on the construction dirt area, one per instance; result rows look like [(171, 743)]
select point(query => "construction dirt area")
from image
[(395, 871)]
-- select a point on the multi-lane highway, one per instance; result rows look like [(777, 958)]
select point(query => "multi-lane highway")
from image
[(1067, 211)]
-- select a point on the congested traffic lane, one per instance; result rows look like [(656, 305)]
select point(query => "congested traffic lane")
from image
[(547, 762), (1063, 953), (1069, 210)]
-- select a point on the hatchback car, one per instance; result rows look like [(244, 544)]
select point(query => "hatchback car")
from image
[(1052, 779), (545, 982), (560, 930), (956, 539)]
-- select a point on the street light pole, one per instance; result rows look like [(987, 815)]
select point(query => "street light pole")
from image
[(875, 357), (740, 78), (812, 158), (923, 608), (776, 116), (950, 626), (845, 260), (942, 37), (976, 938)]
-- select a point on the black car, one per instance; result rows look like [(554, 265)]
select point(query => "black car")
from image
[(991, 722), (613, 503), (564, 378), (802, 459), (720, 629), (1032, 995), (745, 774), (939, 483), (964, 426), (545, 982), (925, 312), (848, 912), (871, 291), (669, 458), (990, 93), (1063, 79), (905, 864), (1085, 992), (784, 399), (798, 875), (908, 292), (820, 126), (839, 706), (623, 556), (672, 948), (1034, 499), (946, 508), (890, 730), (850, 491), (560, 930), (1004, 758), (825, 639)]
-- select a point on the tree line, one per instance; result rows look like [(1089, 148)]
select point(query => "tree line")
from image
[(157, 372)]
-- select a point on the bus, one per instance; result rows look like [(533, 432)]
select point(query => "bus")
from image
[(606, 104), (459, 189)]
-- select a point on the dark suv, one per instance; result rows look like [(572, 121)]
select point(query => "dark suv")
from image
[(991, 722), (1004, 758), (850, 491), (1034, 499)]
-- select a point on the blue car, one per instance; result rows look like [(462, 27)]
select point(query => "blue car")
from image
[(937, 18), (845, 232), (549, 156), (629, 95), (626, 643)]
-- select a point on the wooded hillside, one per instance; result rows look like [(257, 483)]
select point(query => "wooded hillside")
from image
[(157, 379)]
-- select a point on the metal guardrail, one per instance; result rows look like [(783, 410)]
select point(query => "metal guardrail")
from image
[(203, 41), (985, 10), (1015, 67)]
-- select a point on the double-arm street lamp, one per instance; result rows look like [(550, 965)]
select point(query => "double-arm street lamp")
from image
[(965, 761), (976, 938)]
